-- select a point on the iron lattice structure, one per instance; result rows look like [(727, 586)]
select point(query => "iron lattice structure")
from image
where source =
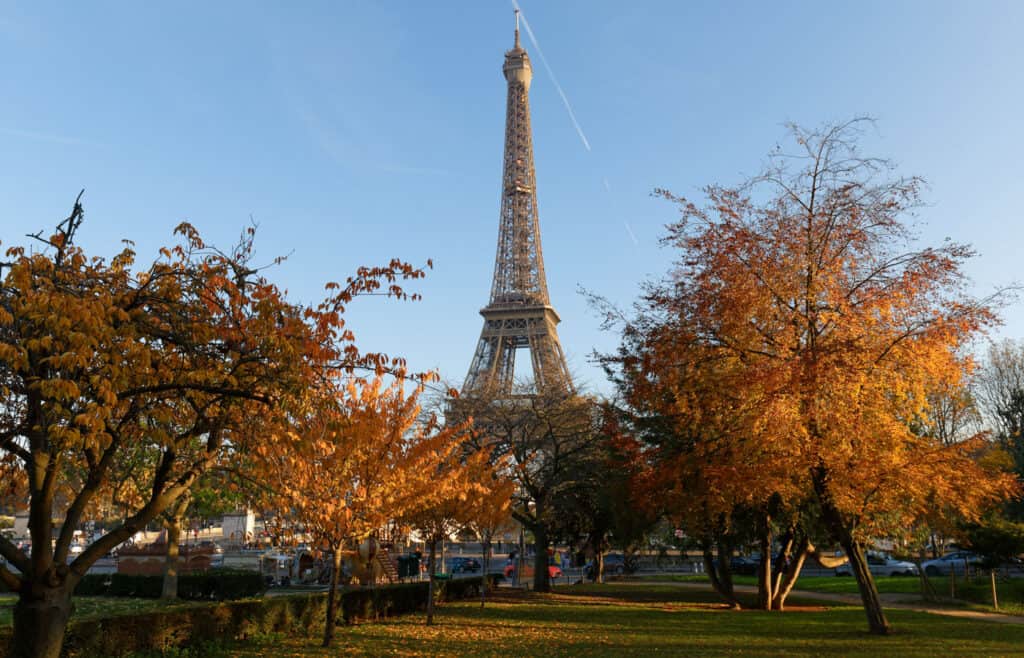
[(519, 314)]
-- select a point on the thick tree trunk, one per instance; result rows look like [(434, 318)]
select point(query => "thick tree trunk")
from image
[(332, 599), (541, 578), (764, 570), (841, 531), (791, 574), (430, 587), (877, 622), (720, 575), (172, 563), (40, 619)]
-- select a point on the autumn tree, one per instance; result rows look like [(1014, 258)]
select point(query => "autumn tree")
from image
[(803, 287), (354, 460), (999, 390), (700, 458), (543, 435), (602, 508), (489, 512), (102, 362), (464, 487)]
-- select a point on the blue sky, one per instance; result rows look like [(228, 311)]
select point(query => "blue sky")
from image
[(355, 132)]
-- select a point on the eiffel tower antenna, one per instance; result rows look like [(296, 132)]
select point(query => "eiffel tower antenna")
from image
[(519, 314)]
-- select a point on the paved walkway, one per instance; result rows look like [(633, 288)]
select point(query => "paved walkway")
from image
[(889, 600)]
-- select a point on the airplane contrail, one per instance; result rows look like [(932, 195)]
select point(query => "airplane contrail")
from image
[(551, 74), (632, 235)]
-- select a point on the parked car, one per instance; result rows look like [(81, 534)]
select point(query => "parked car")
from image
[(744, 565), (615, 564), (881, 565), (951, 562), (464, 565), (510, 569)]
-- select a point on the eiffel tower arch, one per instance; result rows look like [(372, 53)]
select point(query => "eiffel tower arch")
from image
[(519, 315)]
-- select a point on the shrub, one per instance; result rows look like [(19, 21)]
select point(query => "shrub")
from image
[(215, 584), (384, 601), (160, 631), (143, 587), (459, 588), (221, 585), (197, 625), (93, 584)]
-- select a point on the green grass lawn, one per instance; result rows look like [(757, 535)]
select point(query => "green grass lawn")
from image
[(977, 592), (635, 620), (619, 620)]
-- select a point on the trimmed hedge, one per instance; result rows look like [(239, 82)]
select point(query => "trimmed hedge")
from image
[(216, 584), (236, 620), (192, 626), (93, 584)]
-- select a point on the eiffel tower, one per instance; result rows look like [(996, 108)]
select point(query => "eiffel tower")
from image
[(519, 314)]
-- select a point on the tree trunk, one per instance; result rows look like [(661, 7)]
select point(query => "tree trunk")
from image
[(40, 619), (995, 596), (780, 568), (541, 578), (841, 531), (486, 566), (172, 563), (877, 622), (791, 574), (764, 570), (332, 599), (927, 589), (720, 575), (430, 587)]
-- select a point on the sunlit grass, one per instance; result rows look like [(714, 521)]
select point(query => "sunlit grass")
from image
[(620, 620), (976, 592)]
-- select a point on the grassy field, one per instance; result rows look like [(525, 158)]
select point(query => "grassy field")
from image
[(978, 592), (628, 619), (631, 620)]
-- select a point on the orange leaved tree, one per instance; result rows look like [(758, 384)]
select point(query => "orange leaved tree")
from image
[(489, 512), (465, 487), (833, 329), (105, 367), (355, 459)]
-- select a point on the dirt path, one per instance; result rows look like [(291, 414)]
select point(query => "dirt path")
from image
[(890, 600)]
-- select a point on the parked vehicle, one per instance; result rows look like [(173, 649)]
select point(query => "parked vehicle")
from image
[(464, 565), (744, 565), (510, 569), (615, 564), (881, 565), (956, 562)]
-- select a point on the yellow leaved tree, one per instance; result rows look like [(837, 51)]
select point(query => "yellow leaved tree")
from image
[(354, 458), (106, 368), (821, 330)]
